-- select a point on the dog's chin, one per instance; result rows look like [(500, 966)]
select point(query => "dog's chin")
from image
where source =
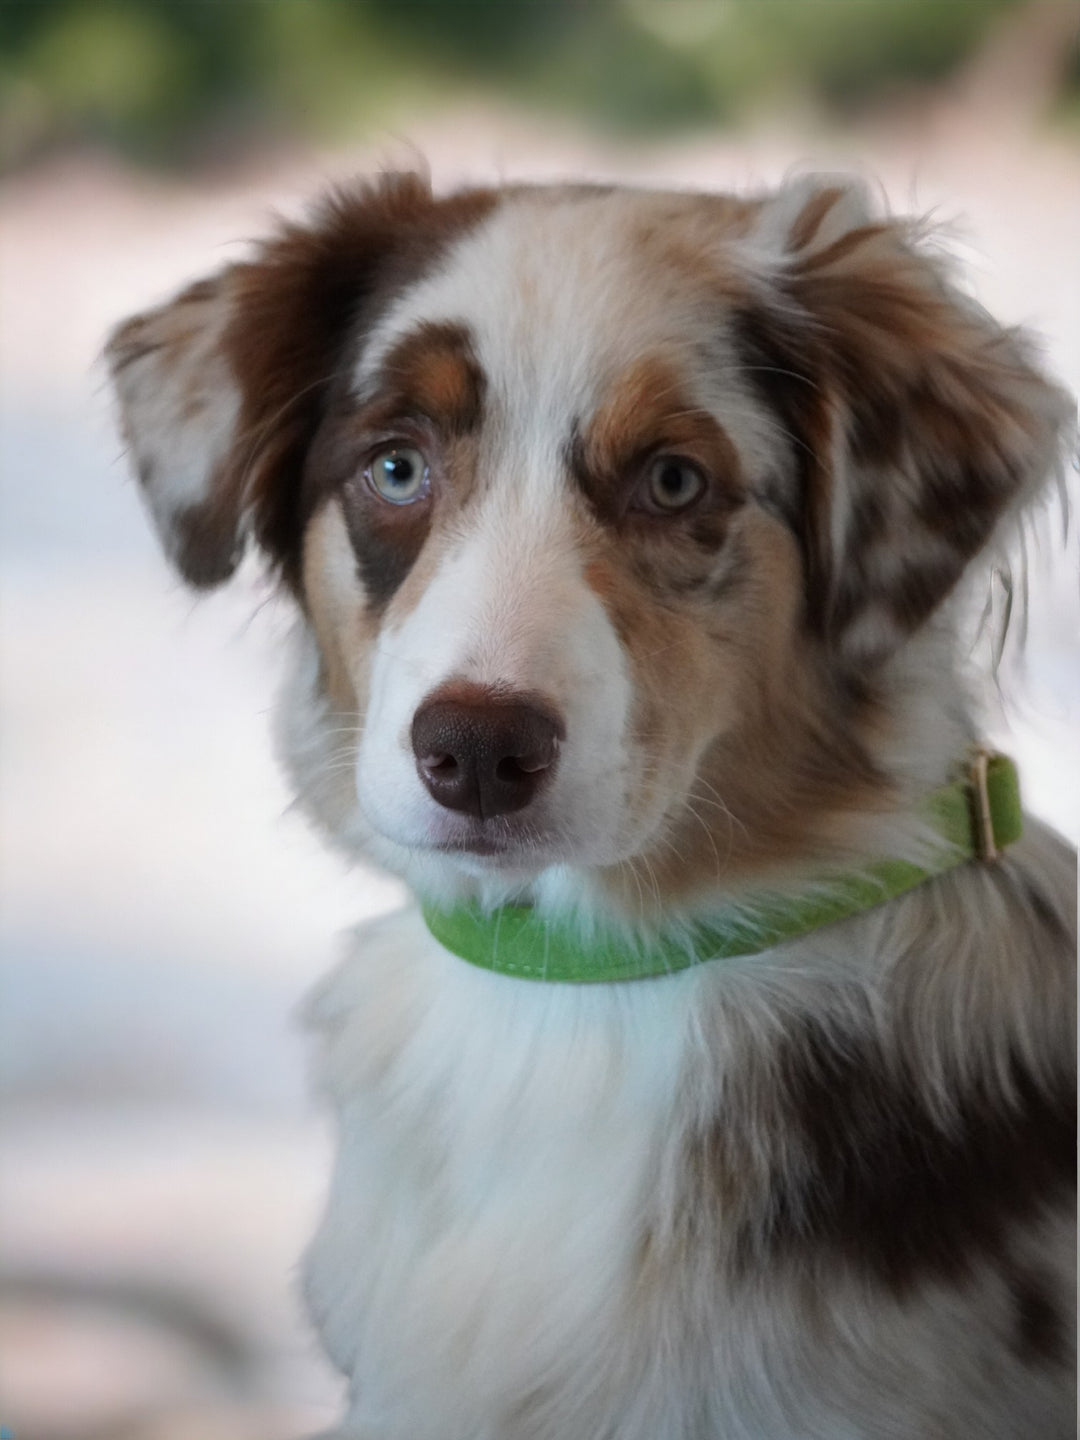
[(451, 874), (503, 845), (496, 861), (458, 855), (446, 856)]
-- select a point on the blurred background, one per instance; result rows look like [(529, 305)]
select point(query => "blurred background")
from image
[(162, 912)]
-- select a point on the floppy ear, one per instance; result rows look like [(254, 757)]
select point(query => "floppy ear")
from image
[(180, 406), (916, 421), (222, 389)]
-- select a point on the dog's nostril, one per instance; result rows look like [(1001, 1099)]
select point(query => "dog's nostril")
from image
[(483, 754), (438, 762), (530, 764), (512, 769)]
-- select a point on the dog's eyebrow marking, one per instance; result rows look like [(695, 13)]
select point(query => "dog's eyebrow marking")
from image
[(647, 411), (432, 371), (427, 391)]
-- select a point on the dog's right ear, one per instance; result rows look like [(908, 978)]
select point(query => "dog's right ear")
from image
[(221, 390)]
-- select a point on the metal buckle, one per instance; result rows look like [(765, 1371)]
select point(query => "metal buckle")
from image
[(985, 845)]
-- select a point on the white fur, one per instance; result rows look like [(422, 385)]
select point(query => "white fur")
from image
[(490, 1135)]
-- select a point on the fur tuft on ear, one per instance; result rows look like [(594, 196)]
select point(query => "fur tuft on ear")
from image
[(916, 421), (222, 389)]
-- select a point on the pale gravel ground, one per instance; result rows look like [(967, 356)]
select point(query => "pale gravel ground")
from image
[(160, 916)]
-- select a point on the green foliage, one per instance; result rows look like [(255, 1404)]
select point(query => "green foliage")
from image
[(171, 80), (845, 54), (625, 79), (484, 36), (1067, 106)]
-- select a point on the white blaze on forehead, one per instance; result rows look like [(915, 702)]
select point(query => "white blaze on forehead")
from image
[(552, 295), (561, 296)]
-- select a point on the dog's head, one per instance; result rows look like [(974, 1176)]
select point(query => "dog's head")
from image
[(607, 512)]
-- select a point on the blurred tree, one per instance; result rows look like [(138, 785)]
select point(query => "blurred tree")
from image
[(486, 34), (175, 80), (847, 52)]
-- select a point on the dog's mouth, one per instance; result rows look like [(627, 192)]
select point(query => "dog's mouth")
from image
[(494, 843), (481, 845), (498, 839)]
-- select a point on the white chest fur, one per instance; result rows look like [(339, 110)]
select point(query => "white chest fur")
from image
[(498, 1142)]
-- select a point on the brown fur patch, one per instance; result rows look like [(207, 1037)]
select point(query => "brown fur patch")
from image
[(679, 239), (943, 418), (664, 644), (389, 540), (298, 314), (295, 316), (345, 633), (386, 538), (207, 544), (1041, 1333), (343, 626), (860, 1174), (892, 1190), (428, 394), (647, 412), (126, 348), (763, 757), (787, 370), (433, 372), (811, 216), (870, 1127), (458, 469)]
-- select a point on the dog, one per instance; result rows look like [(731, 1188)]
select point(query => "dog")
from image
[(632, 537)]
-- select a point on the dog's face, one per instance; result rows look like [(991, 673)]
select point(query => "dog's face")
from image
[(606, 511)]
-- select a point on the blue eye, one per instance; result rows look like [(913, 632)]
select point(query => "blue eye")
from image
[(398, 475), (673, 484)]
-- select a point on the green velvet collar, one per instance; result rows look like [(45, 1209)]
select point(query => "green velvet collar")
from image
[(976, 817)]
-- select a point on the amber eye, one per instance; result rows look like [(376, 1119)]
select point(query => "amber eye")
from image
[(672, 484), (398, 475)]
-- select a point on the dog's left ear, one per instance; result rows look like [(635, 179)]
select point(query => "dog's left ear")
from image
[(916, 421)]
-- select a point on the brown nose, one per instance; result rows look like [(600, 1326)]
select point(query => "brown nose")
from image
[(484, 754)]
